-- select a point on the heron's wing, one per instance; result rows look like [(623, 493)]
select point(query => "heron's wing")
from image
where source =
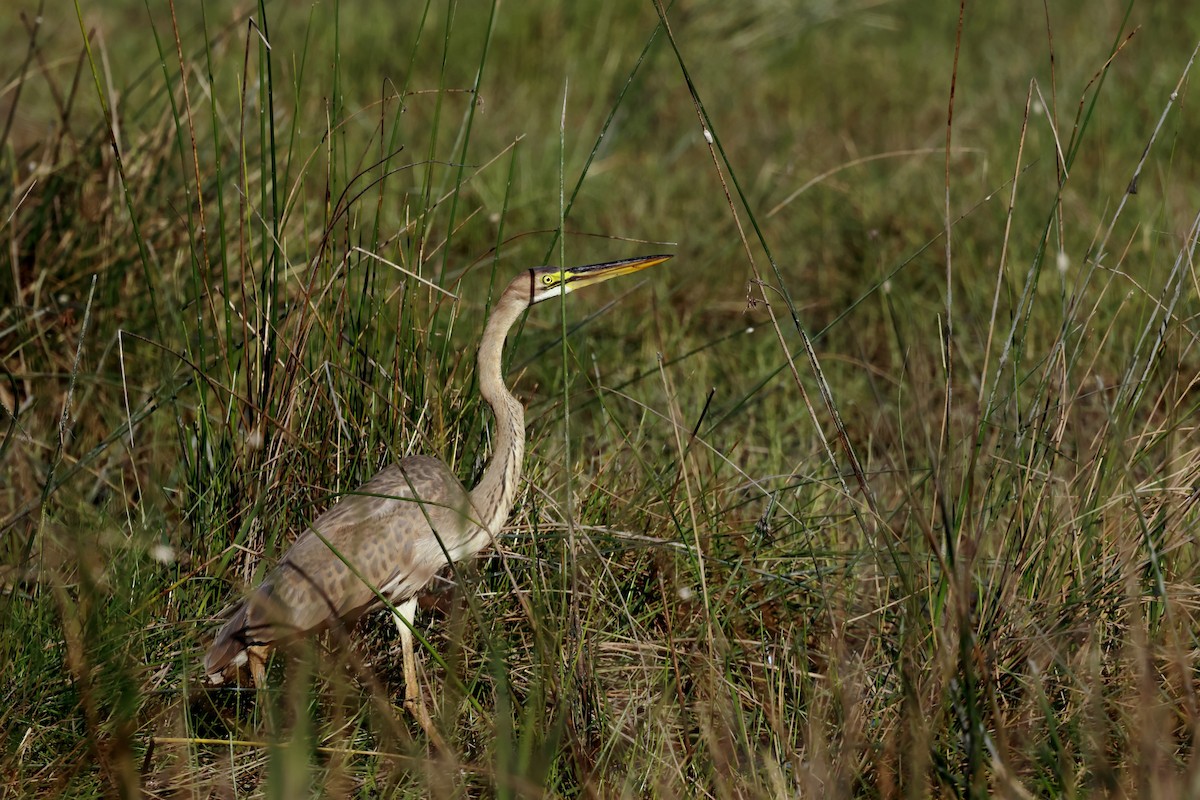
[(383, 537)]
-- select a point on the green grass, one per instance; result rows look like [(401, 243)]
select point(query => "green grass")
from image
[(699, 594)]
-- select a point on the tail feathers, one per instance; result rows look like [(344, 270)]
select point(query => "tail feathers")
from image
[(246, 637), (229, 647)]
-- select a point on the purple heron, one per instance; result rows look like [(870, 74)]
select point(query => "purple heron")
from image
[(390, 538)]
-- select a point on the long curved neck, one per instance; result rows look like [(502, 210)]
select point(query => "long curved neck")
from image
[(497, 489)]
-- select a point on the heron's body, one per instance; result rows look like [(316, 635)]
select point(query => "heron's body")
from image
[(392, 536), (384, 531)]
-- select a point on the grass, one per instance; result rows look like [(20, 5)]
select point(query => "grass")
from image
[(884, 487)]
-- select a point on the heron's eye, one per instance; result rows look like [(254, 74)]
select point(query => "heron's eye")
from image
[(548, 280)]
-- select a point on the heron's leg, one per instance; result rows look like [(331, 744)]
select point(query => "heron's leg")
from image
[(257, 657), (413, 701)]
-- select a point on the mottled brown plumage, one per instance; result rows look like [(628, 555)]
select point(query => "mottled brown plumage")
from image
[(407, 523), (372, 530)]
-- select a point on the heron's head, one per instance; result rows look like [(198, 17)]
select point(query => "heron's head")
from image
[(547, 282)]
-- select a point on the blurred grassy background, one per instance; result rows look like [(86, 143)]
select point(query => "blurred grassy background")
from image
[(203, 346)]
